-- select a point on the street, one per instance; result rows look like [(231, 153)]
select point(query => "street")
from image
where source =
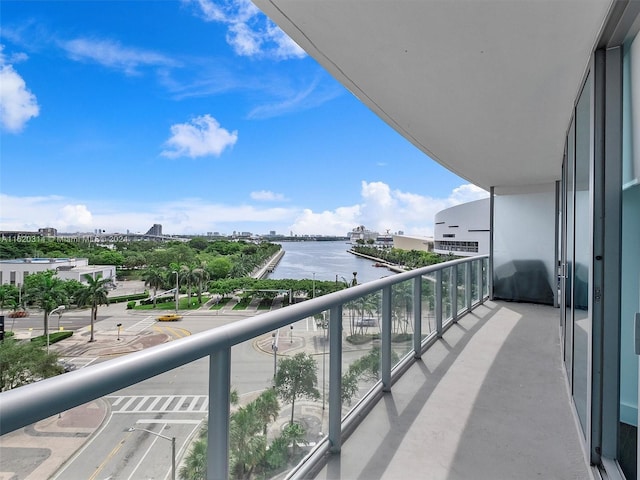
[(134, 440)]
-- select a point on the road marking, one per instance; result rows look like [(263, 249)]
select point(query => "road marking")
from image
[(153, 442), (159, 403), (173, 332), (141, 325), (109, 457), (79, 362), (177, 422)]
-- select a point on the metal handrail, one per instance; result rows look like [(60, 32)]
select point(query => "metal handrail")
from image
[(28, 404)]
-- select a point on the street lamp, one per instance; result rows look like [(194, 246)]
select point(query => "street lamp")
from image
[(177, 291), (57, 310), (119, 325), (173, 447), (314, 285)]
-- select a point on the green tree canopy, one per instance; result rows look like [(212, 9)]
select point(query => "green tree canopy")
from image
[(47, 292), (22, 363), (297, 377)]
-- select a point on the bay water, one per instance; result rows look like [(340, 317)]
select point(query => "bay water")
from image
[(328, 260)]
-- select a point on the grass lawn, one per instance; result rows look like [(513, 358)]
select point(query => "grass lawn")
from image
[(183, 304), (221, 303), (242, 304), (265, 304)]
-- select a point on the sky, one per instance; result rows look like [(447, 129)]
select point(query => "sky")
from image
[(201, 116)]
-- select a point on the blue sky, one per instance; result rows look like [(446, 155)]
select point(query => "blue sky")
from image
[(199, 115)]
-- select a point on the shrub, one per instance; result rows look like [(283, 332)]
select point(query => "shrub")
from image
[(131, 304), (54, 337)]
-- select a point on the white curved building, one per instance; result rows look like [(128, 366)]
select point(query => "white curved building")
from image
[(463, 230)]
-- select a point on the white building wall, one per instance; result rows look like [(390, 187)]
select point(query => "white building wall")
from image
[(463, 230), (14, 271), (405, 242), (524, 244)]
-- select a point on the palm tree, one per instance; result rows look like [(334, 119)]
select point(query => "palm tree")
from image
[(195, 464), (154, 278), (47, 292), (202, 276), (267, 408), (189, 276), (94, 294), (246, 448)]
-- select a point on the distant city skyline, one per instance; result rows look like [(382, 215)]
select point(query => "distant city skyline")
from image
[(198, 116)]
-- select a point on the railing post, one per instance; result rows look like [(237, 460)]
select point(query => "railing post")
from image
[(453, 287), (467, 285), (335, 379), (385, 362), (479, 281), (417, 317), (438, 303), (218, 426)]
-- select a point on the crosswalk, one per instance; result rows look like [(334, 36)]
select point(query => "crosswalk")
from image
[(77, 362), (159, 403), (141, 325)]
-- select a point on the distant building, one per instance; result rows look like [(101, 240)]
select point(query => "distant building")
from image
[(155, 230), (362, 233), (413, 242), (15, 271), (463, 230), (48, 232)]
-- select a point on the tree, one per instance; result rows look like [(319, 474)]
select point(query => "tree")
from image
[(267, 408), (22, 363), (202, 276), (246, 446), (189, 276), (297, 378), (195, 464), (294, 433), (45, 291), (93, 294), (8, 296), (153, 278)]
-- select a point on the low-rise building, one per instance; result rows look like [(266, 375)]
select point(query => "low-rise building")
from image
[(463, 230), (14, 271), (413, 242)]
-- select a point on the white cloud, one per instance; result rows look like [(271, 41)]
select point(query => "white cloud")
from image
[(203, 136), (188, 216), (249, 32), (312, 96), (112, 54), (467, 193), (17, 104), (380, 208), (74, 217), (267, 196)]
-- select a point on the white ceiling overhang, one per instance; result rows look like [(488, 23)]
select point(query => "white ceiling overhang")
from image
[(485, 88)]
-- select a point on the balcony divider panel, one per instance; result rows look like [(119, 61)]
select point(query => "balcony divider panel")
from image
[(385, 367), (218, 430), (417, 317)]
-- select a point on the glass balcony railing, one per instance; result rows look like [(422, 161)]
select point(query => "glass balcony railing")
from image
[(355, 342)]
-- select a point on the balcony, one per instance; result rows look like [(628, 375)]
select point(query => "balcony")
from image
[(464, 387)]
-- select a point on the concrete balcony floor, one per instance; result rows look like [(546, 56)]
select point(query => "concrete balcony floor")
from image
[(487, 401)]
